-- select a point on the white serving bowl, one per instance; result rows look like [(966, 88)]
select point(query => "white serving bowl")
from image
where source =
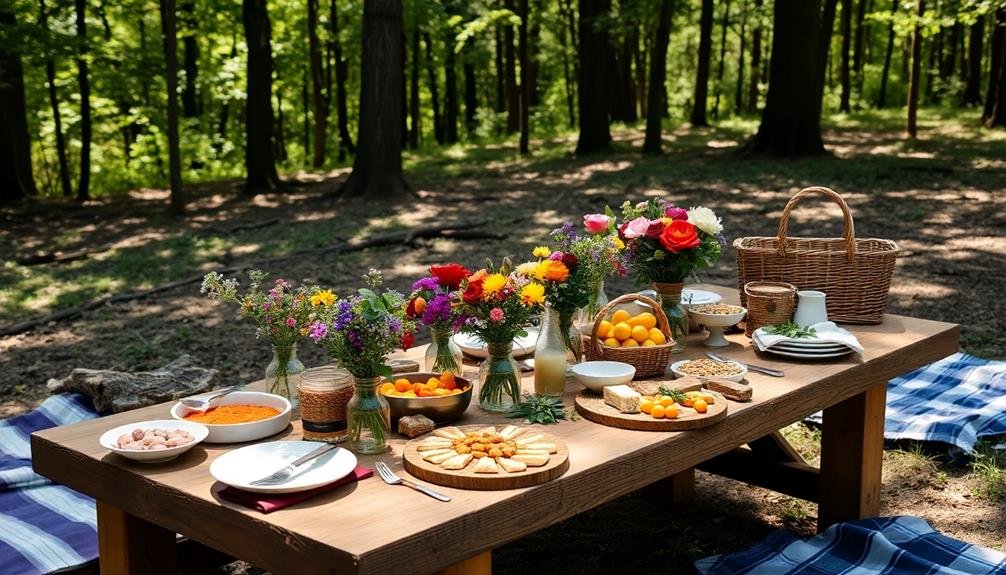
[(676, 369), (596, 375), (715, 323), (241, 432), (109, 438)]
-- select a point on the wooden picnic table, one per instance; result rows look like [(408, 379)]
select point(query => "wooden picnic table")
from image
[(371, 527)]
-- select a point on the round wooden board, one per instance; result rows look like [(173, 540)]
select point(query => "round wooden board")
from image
[(591, 406), (465, 478)]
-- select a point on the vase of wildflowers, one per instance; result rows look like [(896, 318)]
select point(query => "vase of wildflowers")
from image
[(358, 332), (280, 314), (497, 306), (431, 303)]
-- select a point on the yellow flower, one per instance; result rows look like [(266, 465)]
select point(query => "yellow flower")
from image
[(532, 294), (325, 298), (618, 243), (526, 269), (493, 284), (541, 252)]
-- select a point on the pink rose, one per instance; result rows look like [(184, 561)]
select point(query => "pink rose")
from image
[(676, 213), (636, 228), (596, 223), (496, 315), (291, 322)]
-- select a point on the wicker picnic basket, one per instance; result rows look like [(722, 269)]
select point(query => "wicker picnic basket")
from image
[(648, 361), (855, 273)]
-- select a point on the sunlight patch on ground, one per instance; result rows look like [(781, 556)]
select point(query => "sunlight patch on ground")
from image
[(921, 290), (719, 144)]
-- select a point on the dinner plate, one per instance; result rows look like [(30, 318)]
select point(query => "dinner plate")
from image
[(804, 355), (810, 344), (240, 467), (473, 346), (698, 297), (785, 345)]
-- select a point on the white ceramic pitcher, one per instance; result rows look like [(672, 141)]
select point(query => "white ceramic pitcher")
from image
[(810, 308)]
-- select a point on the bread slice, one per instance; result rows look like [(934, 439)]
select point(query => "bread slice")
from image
[(486, 465), (511, 431), (450, 433), (441, 457), (458, 461), (511, 466)]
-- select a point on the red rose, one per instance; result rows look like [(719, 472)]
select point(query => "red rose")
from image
[(407, 340), (679, 236), (449, 275), (473, 293), (654, 230)]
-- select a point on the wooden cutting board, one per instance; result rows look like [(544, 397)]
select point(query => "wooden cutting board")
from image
[(465, 478), (591, 406)]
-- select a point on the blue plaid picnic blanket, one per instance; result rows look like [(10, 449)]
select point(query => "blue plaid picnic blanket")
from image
[(44, 527), (956, 400), (885, 545)]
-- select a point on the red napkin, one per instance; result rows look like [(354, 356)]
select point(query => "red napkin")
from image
[(268, 503)]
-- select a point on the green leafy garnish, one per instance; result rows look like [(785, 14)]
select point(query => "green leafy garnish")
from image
[(541, 408), (790, 329), (672, 392)]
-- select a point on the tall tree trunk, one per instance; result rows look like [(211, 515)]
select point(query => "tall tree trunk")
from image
[(451, 107), (16, 178), (169, 31), (932, 95), (83, 79), (845, 78), (658, 76), (569, 82), (319, 103), (827, 29), (859, 41), (404, 100), (500, 68), (431, 73), (279, 130), (791, 122), (972, 95), (377, 169), (755, 85), (50, 77), (416, 128), (639, 63), (305, 106), (994, 114), (510, 76), (341, 77), (593, 92), (723, 57), (190, 93), (913, 78), (739, 89), (886, 72), (629, 44), (471, 98), (949, 64), (525, 80), (260, 162), (701, 93)]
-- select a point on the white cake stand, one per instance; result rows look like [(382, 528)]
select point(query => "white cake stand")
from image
[(715, 323)]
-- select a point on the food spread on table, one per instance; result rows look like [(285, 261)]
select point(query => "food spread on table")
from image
[(154, 439), (435, 386), (654, 405), (510, 450), (231, 414)]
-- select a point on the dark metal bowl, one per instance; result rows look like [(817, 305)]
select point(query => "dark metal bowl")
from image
[(440, 409)]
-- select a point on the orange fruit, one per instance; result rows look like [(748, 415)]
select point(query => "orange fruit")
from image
[(448, 384), (409, 394), (455, 391), (646, 319), (700, 405), (630, 343), (671, 412), (441, 391), (446, 378), (648, 343), (402, 385), (657, 336), (665, 401), (620, 316), (645, 405), (387, 388), (622, 331), (709, 399), (640, 334), (604, 328), (657, 412), (611, 342), (416, 387), (425, 392), (433, 383)]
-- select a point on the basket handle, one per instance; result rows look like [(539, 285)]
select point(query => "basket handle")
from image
[(662, 322), (848, 234)]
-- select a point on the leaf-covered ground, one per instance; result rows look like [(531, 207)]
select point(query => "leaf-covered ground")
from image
[(942, 198)]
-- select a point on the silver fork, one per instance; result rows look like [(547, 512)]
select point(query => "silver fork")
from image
[(391, 478)]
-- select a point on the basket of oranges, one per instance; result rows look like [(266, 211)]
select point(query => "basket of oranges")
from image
[(642, 340)]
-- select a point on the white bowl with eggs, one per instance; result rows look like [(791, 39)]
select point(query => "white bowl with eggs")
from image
[(110, 439), (596, 375), (242, 432)]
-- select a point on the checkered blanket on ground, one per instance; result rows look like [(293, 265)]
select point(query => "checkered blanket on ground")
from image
[(956, 400), (44, 527), (880, 546)]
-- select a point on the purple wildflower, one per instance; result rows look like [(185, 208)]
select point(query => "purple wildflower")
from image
[(437, 309), (427, 283), (556, 256), (318, 331), (355, 339), (394, 325)]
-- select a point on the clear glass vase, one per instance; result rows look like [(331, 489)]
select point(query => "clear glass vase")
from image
[(669, 295), (443, 354), (284, 364), (585, 316), (369, 417), (499, 378), (559, 347)]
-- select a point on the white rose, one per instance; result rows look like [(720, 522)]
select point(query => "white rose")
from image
[(705, 220)]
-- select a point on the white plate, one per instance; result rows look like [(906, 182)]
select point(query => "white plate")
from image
[(786, 346), (241, 466), (810, 344), (473, 346), (804, 355), (698, 297), (109, 438)]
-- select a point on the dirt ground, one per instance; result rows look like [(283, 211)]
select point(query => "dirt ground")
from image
[(942, 199)]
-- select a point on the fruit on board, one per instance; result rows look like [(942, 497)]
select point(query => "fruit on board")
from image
[(437, 386), (622, 329)]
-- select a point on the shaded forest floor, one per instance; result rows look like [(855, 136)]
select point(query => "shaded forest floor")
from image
[(942, 198)]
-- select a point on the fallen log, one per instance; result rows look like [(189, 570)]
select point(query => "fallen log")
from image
[(59, 257)]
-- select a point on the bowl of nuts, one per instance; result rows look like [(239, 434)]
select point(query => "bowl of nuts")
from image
[(153, 441), (706, 368), (716, 317)]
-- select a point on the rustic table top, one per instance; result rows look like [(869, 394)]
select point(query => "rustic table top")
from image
[(371, 527)]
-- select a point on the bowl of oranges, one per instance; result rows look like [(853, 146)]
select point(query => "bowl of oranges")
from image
[(641, 340), (442, 397)]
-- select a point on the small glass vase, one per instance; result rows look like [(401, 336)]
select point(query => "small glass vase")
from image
[(669, 295), (559, 347), (369, 417), (499, 378), (443, 354), (284, 364), (585, 316)]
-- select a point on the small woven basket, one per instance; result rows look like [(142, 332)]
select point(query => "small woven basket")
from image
[(648, 361), (768, 303), (855, 273)]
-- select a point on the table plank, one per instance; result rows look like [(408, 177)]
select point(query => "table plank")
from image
[(372, 528)]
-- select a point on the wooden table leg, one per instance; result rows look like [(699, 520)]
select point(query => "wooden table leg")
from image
[(481, 564), (852, 452), (128, 545), (674, 491)]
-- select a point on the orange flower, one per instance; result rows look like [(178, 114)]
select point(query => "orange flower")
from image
[(552, 270)]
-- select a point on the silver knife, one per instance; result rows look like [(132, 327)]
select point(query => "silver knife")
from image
[(284, 474)]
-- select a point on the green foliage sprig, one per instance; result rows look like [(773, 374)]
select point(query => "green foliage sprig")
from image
[(790, 329), (539, 408)]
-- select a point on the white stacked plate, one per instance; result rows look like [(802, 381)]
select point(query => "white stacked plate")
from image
[(475, 347), (809, 349)]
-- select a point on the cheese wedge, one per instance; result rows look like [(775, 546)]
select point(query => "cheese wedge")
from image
[(529, 439), (532, 451), (622, 398), (457, 462), (449, 433), (428, 454), (442, 457), (511, 431), (542, 446), (511, 466), (532, 459), (486, 465), (488, 430)]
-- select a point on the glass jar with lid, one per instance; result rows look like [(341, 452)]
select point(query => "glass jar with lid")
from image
[(324, 393)]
